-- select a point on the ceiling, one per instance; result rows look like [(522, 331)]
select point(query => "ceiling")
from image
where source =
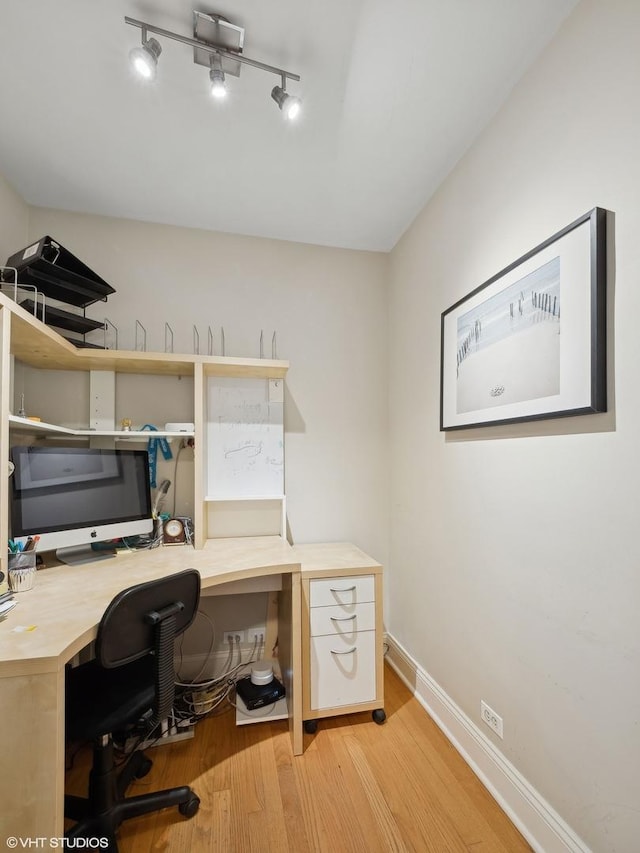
[(394, 93)]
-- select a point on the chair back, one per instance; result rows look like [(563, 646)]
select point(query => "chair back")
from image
[(145, 619)]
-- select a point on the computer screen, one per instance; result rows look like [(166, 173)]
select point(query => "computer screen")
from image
[(71, 496)]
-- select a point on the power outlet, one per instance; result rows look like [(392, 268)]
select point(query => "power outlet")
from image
[(258, 633), (493, 720), (231, 637)]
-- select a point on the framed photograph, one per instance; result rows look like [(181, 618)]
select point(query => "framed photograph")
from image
[(530, 343)]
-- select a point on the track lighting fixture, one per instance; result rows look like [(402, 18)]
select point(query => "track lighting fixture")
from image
[(145, 59), (218, 45)]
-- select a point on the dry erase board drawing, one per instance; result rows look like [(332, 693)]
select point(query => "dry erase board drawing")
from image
[(245, 440)]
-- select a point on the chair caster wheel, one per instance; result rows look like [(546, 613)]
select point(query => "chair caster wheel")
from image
[(311, 726), (145, 766), (379, 716), (190, 808)]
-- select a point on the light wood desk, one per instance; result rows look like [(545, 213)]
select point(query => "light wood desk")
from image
[(64, 607)]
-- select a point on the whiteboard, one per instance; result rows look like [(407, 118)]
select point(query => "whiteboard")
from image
[(245, 440)]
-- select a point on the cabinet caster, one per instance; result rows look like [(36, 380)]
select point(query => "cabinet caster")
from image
[(190, 808), (379, 716), (311, 726)]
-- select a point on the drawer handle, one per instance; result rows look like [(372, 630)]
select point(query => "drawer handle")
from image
[(347, 589), (343, 618), (347, 652)]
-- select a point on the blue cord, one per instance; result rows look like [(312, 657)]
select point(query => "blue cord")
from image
[(154, 443)]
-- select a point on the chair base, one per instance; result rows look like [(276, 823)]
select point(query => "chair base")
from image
[(100, 815)]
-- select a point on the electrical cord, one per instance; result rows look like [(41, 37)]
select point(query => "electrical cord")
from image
[(211, 682), (196, 699), (209, 652), (200, 698), (175, 477), (126, 749)]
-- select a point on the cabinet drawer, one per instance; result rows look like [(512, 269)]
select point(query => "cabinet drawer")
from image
[(344, 591), (336, 619), (343, 672)]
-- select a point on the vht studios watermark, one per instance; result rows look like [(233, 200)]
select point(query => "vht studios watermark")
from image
[(43, 843)]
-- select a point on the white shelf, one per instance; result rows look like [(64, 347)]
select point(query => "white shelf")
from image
[(223, 499), (26, 425), (134, 434), (276, 711)]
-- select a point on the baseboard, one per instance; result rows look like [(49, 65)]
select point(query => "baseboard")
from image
[(540, 824)]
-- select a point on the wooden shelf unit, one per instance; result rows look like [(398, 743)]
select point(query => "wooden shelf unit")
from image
[(33, 343), (39, 346)]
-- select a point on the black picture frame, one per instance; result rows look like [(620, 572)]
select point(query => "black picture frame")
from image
[(530, 343)]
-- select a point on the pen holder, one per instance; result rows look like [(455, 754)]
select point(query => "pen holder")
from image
[(22, 571)]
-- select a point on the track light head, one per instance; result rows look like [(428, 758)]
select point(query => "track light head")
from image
[(289, 104), (216, 75), (218, 85), (145, 58)]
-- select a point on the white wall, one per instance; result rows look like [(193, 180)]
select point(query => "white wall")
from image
[(14, 218), (328, 307), (515, 575)]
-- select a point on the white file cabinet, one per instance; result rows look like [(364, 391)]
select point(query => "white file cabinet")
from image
[(342, 651)]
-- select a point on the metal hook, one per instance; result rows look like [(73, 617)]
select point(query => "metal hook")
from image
[(144, 336), (167, 328), (107, 323)]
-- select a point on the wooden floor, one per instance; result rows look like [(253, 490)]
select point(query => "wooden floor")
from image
[(358, 788)]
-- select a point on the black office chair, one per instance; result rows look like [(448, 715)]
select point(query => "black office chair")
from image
[(131, 678)]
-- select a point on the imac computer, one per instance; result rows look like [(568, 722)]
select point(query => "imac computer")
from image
[(74, 497)]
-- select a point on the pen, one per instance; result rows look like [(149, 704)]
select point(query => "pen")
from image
[(31, 543)]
